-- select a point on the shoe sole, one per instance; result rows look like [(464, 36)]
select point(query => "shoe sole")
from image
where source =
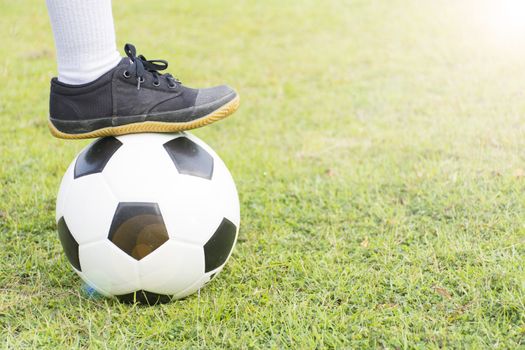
[(152, 126)]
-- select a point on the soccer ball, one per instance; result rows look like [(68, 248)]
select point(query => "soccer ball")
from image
[(147, 217)]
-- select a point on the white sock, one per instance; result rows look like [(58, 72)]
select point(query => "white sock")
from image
[(84, 39)]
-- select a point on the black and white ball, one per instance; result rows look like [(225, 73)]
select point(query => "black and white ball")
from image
[(147, 217)]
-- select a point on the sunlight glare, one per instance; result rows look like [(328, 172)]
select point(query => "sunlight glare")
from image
[(507, 19)]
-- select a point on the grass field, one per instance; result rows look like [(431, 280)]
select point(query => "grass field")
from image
[(379, 157)]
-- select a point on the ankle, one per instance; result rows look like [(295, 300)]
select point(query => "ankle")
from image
[(76, 75)]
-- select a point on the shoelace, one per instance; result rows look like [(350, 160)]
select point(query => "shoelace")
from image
[(142, 66)]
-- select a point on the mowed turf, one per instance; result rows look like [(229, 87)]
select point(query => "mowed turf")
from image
[(379, 157)]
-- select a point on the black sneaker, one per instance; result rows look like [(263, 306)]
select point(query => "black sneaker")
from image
[(134, 97)]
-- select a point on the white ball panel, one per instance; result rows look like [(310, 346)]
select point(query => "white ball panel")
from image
[(193, 288), (151, 139), (171, 268), (224, 185), (91, 284), (215, 272), (226, 192), (88, 209), (191, 211), (140, 172), (67, 180), (109, 268)]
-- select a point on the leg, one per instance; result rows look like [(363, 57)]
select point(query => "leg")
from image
[(84, 39)]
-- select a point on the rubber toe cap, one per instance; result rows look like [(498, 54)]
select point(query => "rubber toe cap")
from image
[(214, 94)]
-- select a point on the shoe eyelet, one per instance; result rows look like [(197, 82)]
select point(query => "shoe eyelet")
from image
[(156, 84), (172, 86), (126, 74)]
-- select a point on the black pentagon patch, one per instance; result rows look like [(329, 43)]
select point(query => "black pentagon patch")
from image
[(144, 297), (138, 229), (219, 246), (69, 243), (94, 158), (190, 158)]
